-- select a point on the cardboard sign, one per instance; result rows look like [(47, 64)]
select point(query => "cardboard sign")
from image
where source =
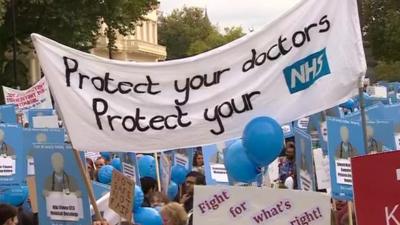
[(122, 194), (376, 183), (254, 205)]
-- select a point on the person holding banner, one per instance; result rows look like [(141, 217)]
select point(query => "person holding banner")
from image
[(60, 181), (5, 149), (345, 150)]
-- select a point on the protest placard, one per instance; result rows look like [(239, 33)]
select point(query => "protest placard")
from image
[(8, 114), (61, 193), (252, 205), (322, 173), (376, 183), (12, 168), (130, 166), (205, 100), (213, 156), (37, 113), (121, 195), (344, 141), (304, 161)]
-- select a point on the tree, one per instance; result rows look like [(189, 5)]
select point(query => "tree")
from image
[(188, 32), (388, 71), (2, 10), (121, 16)]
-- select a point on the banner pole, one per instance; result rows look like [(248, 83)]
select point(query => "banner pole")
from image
[(350, 212), (88, 185), (157, 171)]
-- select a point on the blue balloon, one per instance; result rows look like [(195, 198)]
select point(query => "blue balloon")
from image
[(147, 166), (172, 190), (116, 163), (238, 165), (105, 174), (138, 198), (263, 140), (349, 104), (106, 155), (14, 195), (178, 174), (147, 216)]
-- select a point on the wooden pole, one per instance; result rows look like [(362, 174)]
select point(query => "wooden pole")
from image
[(350, 211), (157, 171), (88, 185)]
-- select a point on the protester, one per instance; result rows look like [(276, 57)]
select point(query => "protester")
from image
[(173, 214), (149, 186), (100, 162), (193, 178), (100, 223), (91, 168), (198, 161), (8, 215), (158, 200), (26, 218), (287, 167)]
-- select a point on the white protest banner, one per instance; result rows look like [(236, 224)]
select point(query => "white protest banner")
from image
[(37, 96), (291, 68), (252, 205), (64, 207), (322, 171)]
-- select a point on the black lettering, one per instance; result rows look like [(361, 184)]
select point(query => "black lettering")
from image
[(138, 118), (136, 88), (249, 64), (294, 39), (101, 88), (151, 84), (180, 116), (229, 109), (307, 30), (195, 86), (249, 96), (69, 70), (156, 119), (264, 57), (186, 89), (245, 108), (269, 51), (97, 112), (166, 122), (110, 119), (324, 21), (213, 118), (81, 78), (106, 87), (125, 126), (122, 84), (281, 47)]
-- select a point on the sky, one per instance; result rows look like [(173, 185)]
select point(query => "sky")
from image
[(249, 14)]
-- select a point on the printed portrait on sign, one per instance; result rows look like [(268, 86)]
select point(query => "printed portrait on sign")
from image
[(345, 150), (60, 181), (40, 139), (373, 146), (5, 149)]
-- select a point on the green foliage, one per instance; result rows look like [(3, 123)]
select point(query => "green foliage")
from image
[(2, 10), (188, 32), (382, 27), (388, 71)]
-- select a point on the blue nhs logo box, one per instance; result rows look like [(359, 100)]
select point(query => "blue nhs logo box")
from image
[(303, 73)]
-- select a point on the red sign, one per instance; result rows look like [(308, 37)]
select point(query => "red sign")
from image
[(376, 184)]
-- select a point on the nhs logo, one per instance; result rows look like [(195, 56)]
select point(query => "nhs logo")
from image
[(303, 73)]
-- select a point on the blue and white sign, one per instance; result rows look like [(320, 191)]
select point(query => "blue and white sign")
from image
[(61, 194), (100, 189), (304, 161), (8, 114), (12, 170), (129, 166), (39, 136), (38, 113), (214, 168), (344, 141)]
